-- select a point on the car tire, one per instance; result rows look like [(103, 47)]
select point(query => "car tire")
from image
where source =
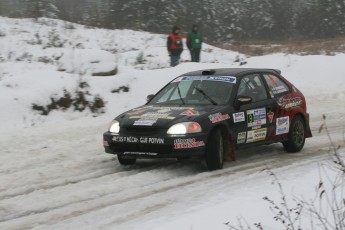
[(215, 150), (296, 136), (125, 161)]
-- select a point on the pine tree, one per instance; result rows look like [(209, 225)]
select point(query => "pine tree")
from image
[(231, 21), (283, 18), (306, 20), (34, 8), (49, 9), (331, 17), (220, 21), (255, 20)]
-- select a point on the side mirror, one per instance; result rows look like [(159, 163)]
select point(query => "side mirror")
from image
[(149, 97), (242, 100)]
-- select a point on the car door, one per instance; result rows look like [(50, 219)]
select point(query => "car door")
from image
[(254, 121), (278, 89)]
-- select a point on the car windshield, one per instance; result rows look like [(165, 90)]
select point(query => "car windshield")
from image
[(196, 90)]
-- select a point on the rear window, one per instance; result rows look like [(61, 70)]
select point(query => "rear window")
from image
[(275, 84)]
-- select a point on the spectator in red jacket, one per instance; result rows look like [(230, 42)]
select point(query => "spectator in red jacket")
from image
[(175, 46)]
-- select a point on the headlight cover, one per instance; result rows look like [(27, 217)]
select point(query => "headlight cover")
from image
[(114, 127), (184, 128)]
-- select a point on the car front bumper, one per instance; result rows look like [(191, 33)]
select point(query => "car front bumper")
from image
[(133, 146)]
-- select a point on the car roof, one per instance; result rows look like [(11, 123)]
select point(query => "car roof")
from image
[(237, 72)]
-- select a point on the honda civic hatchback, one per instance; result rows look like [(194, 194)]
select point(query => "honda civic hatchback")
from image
[(210, 114)]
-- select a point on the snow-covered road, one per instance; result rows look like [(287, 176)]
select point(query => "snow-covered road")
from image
[(67, 182)]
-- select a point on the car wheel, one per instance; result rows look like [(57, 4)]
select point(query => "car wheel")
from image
[(215, 150), (296, 136), (125, 161)]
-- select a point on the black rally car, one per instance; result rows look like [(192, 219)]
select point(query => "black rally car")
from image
[(209, 113)]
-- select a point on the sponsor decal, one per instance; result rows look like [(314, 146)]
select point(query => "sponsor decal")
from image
[(272, 95), (144, 107), (138, 111), (140, 153), (145, 121), (239, 117), (174, 108), (138, 140), (190, 112), (227, 79), (256, 135), (279, 89), (217, 117), (256, 127), (270, 116), (164, 110), (289, 103), (125, 139), (154, 115), (156, 110), (241, 137), (187, 143), (256, 117), (283, 125)]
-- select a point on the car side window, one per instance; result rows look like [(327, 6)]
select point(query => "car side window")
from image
[(275, 84), (252, 86)]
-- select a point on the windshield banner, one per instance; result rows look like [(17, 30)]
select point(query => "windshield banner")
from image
[(228, 79)]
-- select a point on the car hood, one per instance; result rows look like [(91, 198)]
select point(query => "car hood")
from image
[(165, 116)]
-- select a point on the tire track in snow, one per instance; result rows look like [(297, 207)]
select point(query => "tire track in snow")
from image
[(107, 200), (113, 177), (60, 212), (25, 190), (73, 210)]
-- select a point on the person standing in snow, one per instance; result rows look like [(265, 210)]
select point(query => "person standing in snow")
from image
[(194, 43), (175, 46)]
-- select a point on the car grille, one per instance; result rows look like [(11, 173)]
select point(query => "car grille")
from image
[(121, 147), (143, 130)]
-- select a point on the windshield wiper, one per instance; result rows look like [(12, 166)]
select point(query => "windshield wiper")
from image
[(179, 94), (208, 97)]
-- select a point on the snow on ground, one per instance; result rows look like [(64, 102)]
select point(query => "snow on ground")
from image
[(55, 175)]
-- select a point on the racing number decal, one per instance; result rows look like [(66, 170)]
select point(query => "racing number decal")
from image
[(250, 118), (256, 117)]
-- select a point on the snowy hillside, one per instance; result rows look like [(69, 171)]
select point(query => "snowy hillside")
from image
[(55, 174), (40, 59)]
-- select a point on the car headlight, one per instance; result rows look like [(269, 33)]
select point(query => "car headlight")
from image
[(114, 127), (185, 128)]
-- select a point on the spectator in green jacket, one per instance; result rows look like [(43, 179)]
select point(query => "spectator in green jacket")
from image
[(194, 43)]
